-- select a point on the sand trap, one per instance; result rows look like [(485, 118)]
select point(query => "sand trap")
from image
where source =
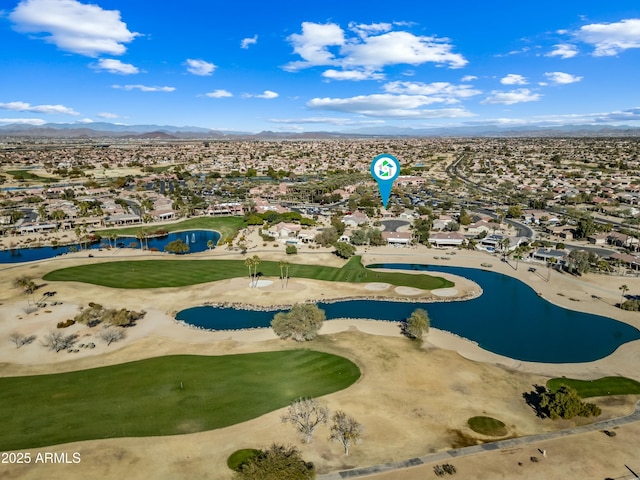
[(377, 286), (445, 292), (409, 291), (261, 283)]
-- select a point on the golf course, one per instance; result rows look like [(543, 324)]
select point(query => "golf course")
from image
[(167, 395)]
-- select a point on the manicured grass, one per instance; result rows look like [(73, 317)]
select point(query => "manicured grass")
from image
[(597, 388), (240, 457), (27, 175), (184, 272), (227, 226), (487, 426), (162, 396)]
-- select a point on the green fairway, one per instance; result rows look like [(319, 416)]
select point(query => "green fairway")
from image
[(226, 226), (28, 176), (162, 396), (184, 272), (488, 426), (597, 388)]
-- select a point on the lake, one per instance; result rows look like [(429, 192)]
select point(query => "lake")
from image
[(509, 319), (196, 239)]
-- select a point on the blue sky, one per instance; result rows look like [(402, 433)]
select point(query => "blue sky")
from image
[(309, 66)]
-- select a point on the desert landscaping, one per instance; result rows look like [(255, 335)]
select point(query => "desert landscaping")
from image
[(411, 400)]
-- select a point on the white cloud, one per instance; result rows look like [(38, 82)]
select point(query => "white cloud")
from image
[(249, 41), (115, 66), (47, 109), (312, 44), (387, 105), (563, 50), (328, 120), (268, 94), (620, 117), (219, 94), (394, 48), (23, 121), (523, 50), (73, 26), (144, 88), (514, 96), (439, 91), (364, 30), (611, 38), (513, 79), (468, 78), (200, 67), (355, 75), (561, 78), (373, 48), (107, 115)]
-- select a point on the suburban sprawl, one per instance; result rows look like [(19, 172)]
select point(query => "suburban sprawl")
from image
[(229, 306)]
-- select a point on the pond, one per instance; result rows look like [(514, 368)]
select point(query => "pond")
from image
[(196, 239), (509, 319)]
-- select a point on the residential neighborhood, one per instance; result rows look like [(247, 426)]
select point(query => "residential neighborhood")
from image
[(514, 196)]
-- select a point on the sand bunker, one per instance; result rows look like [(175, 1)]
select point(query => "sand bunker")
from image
[(409, 291), (377, 286), (445, 292)]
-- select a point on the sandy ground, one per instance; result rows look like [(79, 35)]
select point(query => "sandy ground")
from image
[(412, 401)]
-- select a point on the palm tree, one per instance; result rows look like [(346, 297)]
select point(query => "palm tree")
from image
[(140, 236), (113, 236), (504, 246), (78, 233), (281, 265), (42, 212), (624, 289), (286, 266), (210, 244), (249, 263), (256, 262)]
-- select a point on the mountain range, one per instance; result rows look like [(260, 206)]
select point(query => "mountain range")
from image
[(168, 132)]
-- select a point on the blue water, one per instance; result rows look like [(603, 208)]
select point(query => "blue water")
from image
[(509, 319), (197, 240)]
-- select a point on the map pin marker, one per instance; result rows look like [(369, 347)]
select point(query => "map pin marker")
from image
[(385, 169)]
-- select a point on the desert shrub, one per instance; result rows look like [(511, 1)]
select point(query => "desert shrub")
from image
[(631, 305), (291, 250), (301, 323), (565, 403)]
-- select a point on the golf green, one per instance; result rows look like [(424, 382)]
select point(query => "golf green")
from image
[(163, 396)]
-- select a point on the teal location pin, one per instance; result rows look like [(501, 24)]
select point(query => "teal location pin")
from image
[(385, 169)]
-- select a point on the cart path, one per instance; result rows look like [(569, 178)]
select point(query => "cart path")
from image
[(486, 447)]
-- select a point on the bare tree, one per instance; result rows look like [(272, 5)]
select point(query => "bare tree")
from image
[(19, 339), (59, 341), (306, 414), (345, 430), (111, 334)]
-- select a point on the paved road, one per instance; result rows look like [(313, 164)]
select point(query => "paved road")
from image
[(393, 225), (450, 455)]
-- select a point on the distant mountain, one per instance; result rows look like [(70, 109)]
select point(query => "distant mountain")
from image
[(168, 132), (489, 130), (104, 129)]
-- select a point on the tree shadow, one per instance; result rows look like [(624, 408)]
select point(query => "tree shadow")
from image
[(533, 400)]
